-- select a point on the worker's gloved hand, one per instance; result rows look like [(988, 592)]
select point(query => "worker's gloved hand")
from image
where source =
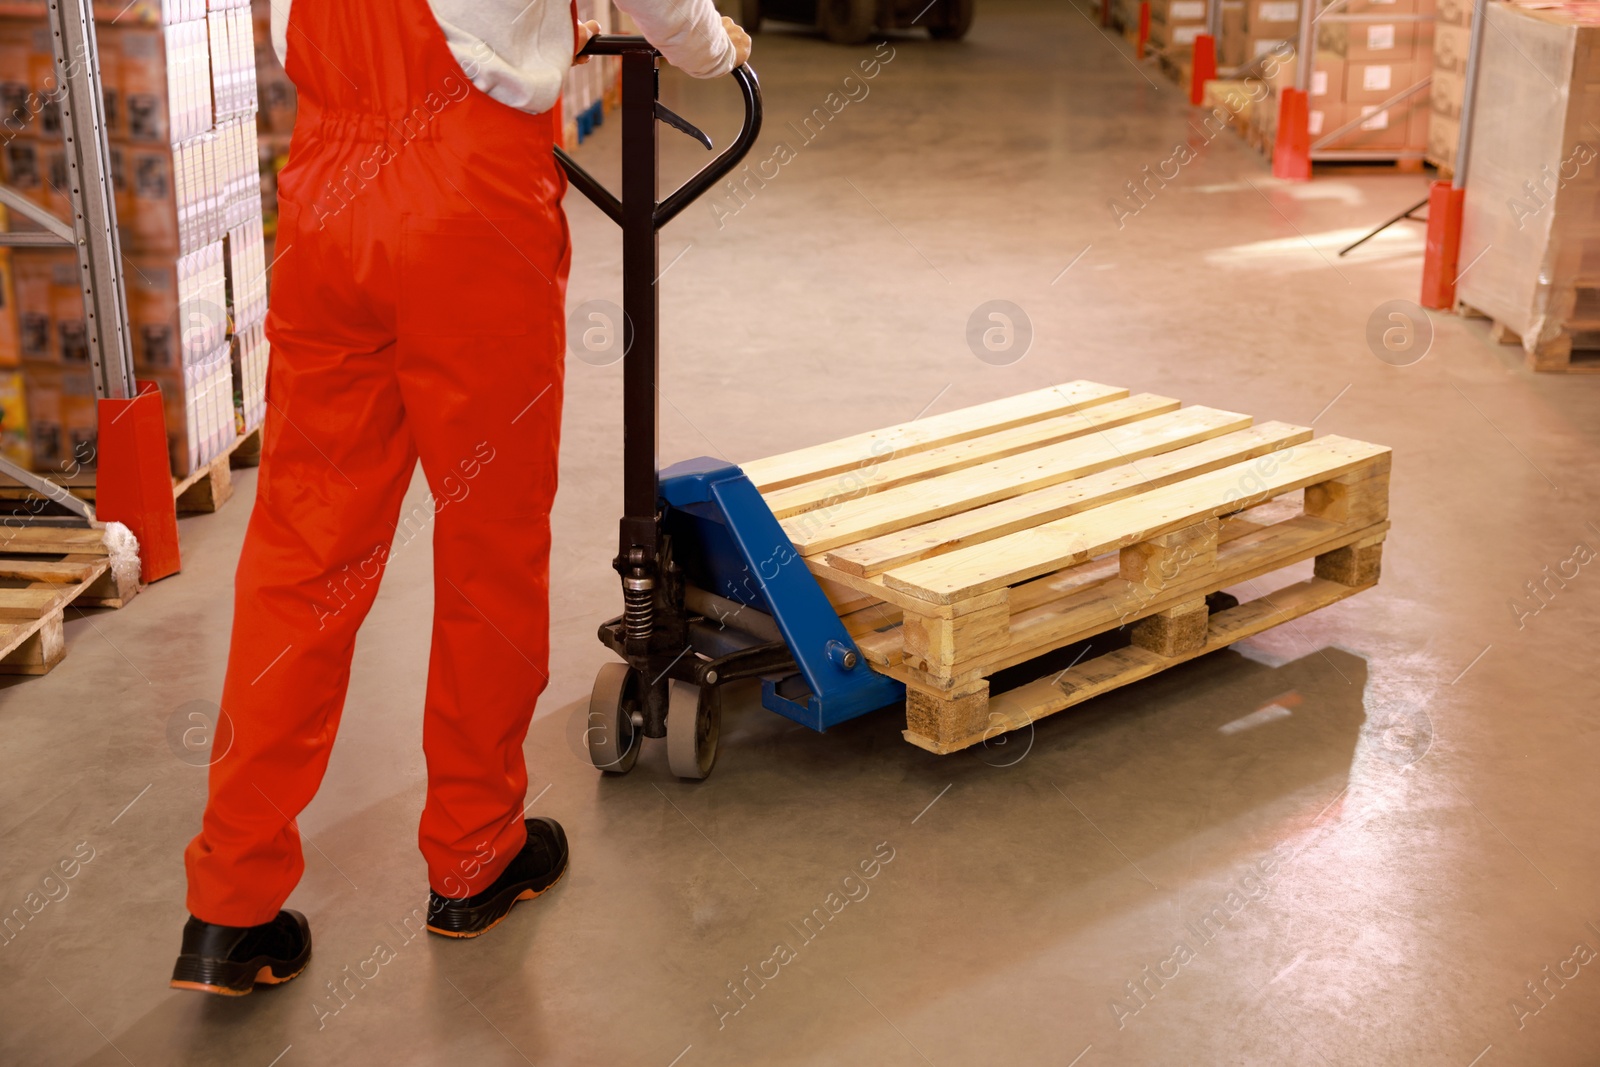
[(740, 39), (586, 30)]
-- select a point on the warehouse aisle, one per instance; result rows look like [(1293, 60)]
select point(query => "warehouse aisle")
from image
[(1366, 838)]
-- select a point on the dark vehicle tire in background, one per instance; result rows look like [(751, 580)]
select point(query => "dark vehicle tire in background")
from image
[(951, 20), (847, 21)]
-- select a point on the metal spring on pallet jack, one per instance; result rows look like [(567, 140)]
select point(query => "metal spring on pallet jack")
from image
[(638, 608)]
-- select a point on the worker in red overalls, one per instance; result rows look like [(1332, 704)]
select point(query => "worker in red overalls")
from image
[(417, 311)]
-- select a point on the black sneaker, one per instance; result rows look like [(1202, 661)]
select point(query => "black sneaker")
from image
[(230, 960), (540, 865)]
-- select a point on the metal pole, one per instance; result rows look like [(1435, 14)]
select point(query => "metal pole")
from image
[(94, 221), (1306, 55), (1469, 89)]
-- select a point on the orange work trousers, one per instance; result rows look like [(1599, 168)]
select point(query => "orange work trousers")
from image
[(417, 311)]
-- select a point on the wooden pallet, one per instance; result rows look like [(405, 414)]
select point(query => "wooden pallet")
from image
[(963, 544), (43, 571), (207, 488), (1573, 350)]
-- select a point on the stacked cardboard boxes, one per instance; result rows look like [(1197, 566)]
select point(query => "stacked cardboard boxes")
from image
[(1269, 26), (1174, 24), (1230, 37), (1368, 63), (1452, 42), (180, 97)]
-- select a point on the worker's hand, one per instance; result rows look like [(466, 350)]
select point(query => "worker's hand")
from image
[(740, 39), (586, 30)]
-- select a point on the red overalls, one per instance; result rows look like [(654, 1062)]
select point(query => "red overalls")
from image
[(417, 310)]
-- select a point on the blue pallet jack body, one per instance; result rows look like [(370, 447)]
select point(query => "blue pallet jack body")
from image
[(732, 545)]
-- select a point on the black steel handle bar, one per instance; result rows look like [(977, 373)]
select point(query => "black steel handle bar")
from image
[(668, 209)]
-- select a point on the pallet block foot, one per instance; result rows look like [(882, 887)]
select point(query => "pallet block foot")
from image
[(1357, 564), (248, 454), (42, 649), (211, 491), (1552, 355), (1174, 631), (108, 591), (1501, 334), (957, 718)]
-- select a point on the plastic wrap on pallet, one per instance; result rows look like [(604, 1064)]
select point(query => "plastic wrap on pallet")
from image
[(1531, 223)]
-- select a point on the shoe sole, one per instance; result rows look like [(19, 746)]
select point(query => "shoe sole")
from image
[(264, 976), (526, 894)]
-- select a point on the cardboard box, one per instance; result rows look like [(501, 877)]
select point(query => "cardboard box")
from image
[(15, 441), (1444, 136), (1181, 36), (1368, 41), (1393, 129), (1324, 117), (1373, 83), (1327, 77), (1272, 14), (1175, 11), (1444, 95), (31, 277), (1230, 48), (1255, 47), (46, 437), (67, 314), (1451, 47), (10, 326), (1453, 12), (1417, 135), (78, 415), (1386, 129)]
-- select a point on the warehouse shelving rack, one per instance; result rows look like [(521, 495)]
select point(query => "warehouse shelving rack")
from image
[(92, 231)]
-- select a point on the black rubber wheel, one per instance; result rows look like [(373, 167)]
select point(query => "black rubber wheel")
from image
[(951, 20), (847, 21), (750, 15), (611, 735), (694, 724)]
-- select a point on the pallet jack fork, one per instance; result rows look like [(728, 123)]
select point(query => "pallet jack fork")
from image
[(713, 590)]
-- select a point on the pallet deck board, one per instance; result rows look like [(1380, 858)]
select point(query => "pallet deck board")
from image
[(835, 457), (972, 487), (964, 557), (984, 522), (890, 471)]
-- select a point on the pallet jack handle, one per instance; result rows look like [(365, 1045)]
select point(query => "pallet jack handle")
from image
[(643, 54), (641, 214)]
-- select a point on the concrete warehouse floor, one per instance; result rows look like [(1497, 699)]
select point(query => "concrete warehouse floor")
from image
[(1402, 841)]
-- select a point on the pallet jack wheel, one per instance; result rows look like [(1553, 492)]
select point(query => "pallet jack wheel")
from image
[(612, 734), (847, 21), (694, 722)]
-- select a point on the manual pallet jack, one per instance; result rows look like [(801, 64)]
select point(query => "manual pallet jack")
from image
[(713, 591)]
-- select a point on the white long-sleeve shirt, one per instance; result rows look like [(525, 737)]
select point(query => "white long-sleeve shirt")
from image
[(519, 52)]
